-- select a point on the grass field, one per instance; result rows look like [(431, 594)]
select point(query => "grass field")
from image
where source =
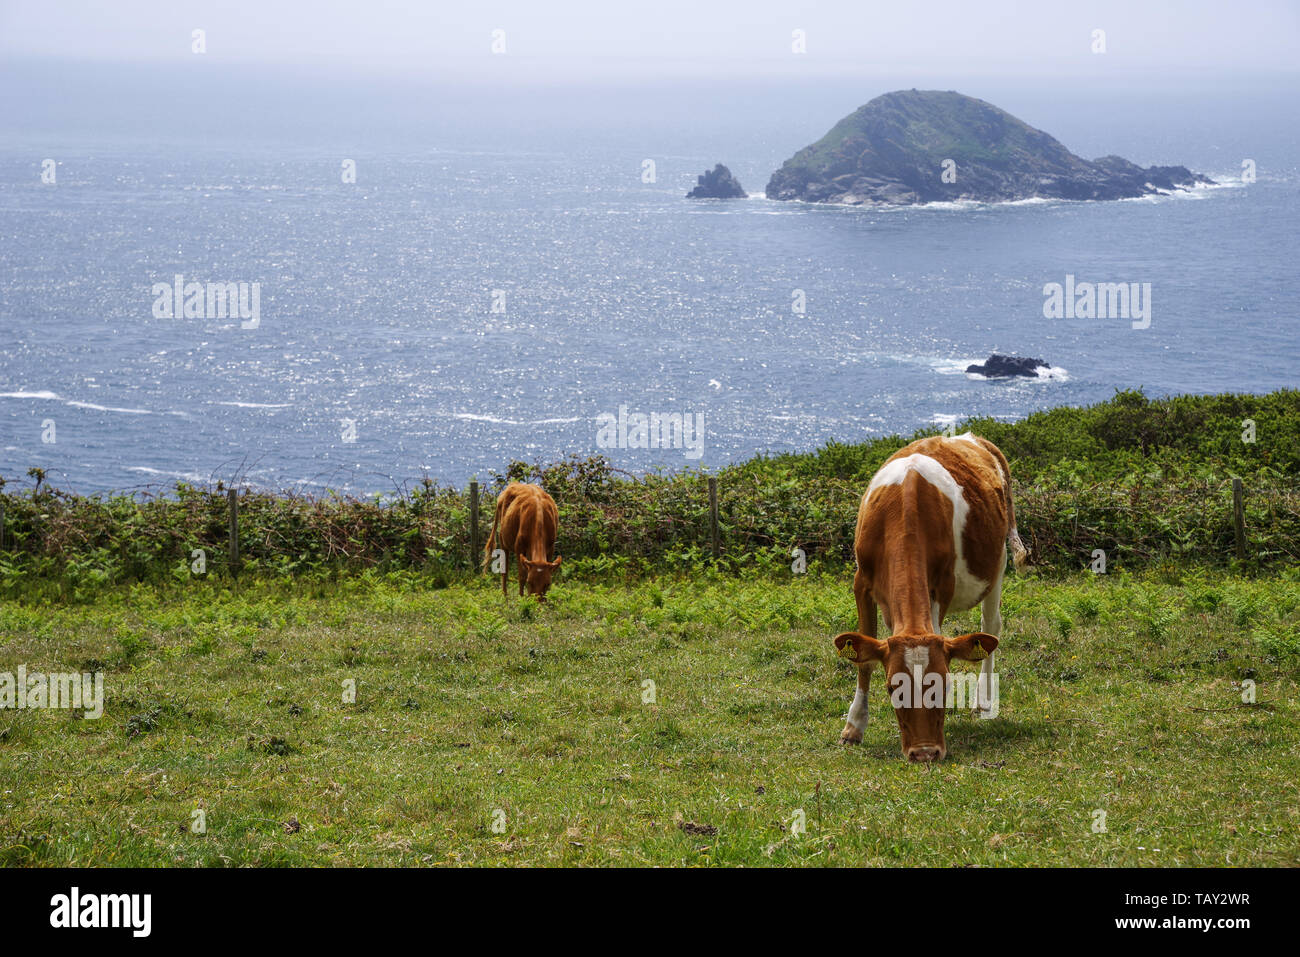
[(1119, 694)]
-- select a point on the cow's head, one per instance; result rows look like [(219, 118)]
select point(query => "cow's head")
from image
[(916, 671), (539, 575)]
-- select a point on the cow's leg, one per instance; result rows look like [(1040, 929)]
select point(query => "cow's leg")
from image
[(505, 572), (866, 607), (857, 719), (523, 576), (990, 624), (858, 711)]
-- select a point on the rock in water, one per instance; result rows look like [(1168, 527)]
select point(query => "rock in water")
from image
[(925, 146), (717, 183), (999, 366)]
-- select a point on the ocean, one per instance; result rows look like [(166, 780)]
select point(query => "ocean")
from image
[(515, 265)]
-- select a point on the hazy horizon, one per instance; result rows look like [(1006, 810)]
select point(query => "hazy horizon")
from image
[(585, 38)]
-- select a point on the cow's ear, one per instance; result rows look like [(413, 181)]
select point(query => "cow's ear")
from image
[(859, 648), (973, 647), (558, 559), (524, 563)]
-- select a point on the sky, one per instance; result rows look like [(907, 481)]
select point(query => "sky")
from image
[(587, 38)]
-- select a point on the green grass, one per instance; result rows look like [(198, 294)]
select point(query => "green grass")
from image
[(1119, 693)]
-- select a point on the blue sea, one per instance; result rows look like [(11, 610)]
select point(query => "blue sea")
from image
[(514, 260)]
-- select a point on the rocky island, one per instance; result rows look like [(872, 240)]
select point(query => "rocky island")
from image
[(1000, 366), (925, 146), (717, 183)]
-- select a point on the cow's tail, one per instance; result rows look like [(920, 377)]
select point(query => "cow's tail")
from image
[(1019, 554), (492, 536)]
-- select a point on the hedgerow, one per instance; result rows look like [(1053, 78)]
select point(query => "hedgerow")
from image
[(1146, 481)]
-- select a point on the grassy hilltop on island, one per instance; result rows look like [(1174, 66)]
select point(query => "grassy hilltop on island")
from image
[(926, 146)]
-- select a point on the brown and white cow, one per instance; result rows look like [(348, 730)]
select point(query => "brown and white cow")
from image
[(524, 525), (931, 538)]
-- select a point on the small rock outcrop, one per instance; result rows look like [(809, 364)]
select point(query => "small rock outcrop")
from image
[(926, 146), (717, 183), (999, 366)]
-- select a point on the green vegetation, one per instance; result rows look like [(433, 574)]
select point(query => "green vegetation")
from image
[(1148, 481), (925, 125), (1163, 693), (1119, 693)]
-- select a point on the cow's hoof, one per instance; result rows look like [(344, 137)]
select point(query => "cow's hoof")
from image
[(850, 736)]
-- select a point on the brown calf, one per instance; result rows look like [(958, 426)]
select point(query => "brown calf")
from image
[(524, 525), (931, 538)]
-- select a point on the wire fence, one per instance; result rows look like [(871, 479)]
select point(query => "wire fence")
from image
[(648, 522)]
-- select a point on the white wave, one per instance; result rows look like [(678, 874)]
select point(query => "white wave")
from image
[(1160, 195), (1194, 191), (965, 205), (1052, 374), (471, 417), (953, 366), (943, 205), (259, 405), (1221, 181), (1041, 374), (29, 395), (106, 408), (183, 476), (944, 365)]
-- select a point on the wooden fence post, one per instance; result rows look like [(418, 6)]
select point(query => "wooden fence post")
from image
[(473, 524), (713, 515), (1239, 518), (233, 497)]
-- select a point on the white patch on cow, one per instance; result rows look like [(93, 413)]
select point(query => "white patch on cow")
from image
[(984, 686), (918, 656), (965, 437), (894, 471), (967, 589), (915, 660), (858, 710)]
